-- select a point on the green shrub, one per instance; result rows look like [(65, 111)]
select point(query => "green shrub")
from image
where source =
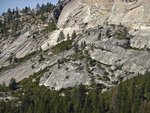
[(65, 45), (106, 73), (121, 34), (80, 68), (50, 28), (77, 56), (92, 62), (106, 78)]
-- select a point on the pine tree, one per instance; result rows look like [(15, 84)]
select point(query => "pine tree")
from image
[(99, 36), (61, 36), (76, 48), (59, 1), (9, 16), (12, 84), (84, 43), (26, 10), (38, 6), (87, 106), (95, 101), (68, 37), (74, 35), (51, 26), (119, 97), (108, 33)]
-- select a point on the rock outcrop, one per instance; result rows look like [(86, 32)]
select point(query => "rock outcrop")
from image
[(133, 13), (111, 51), (57, 11)]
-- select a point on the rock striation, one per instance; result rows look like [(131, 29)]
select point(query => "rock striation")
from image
[(112, 52), (133, 13)]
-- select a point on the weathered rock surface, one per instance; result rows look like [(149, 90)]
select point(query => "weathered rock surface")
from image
[(57, 11), (52, 37), (129, 60), (67, 75), (106, 60), (142, 39), (95, 12)]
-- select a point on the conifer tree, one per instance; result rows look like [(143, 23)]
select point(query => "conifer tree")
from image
[(12, 84), (68, 37), (38, 6), (74, 35), (76, 48), (99, 36), (61, 37)]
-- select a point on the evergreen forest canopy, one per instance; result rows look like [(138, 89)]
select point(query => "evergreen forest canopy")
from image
[(14, 19), (131, 96)]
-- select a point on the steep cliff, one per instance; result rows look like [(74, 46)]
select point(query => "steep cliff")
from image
[(134, 13), (102, 41)]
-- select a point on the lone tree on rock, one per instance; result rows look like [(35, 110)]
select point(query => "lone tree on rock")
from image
[(99, 36), (61, 37), (74, 35), (12, 84), (76, 48), (68, 37)]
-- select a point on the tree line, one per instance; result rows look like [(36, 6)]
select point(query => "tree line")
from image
[(131, 96)]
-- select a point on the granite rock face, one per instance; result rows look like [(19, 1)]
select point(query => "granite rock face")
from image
[(65, 76), (141, 40), (57, 11), (134, 13), (105, 59)]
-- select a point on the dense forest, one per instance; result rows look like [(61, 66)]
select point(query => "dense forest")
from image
[(131, 96)]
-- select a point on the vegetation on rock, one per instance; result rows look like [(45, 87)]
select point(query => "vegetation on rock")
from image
[(131, 96)]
